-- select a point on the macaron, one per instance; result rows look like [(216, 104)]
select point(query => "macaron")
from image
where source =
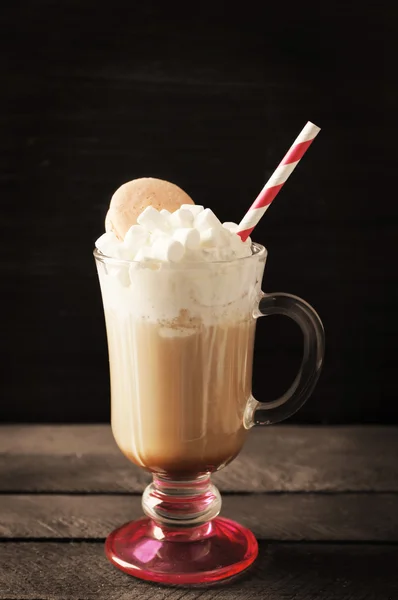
[(128, 202)]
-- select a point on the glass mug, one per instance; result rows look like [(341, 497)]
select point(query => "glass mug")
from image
[(180, 340)]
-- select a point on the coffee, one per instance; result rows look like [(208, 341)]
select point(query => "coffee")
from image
[(180, 344), (179, 391), (178, 293)]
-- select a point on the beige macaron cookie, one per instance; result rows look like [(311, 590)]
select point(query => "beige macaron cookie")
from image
[(133, 197)]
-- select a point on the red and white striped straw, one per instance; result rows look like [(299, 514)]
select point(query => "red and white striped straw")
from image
[(277, 179)]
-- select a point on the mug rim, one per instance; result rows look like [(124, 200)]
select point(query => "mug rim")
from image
[(258, 251)]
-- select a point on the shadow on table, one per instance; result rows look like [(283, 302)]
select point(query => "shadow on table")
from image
[(303, 569)]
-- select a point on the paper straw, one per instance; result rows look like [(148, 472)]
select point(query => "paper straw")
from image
[(277, 179)]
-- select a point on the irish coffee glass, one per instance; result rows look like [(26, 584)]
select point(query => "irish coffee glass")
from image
[(180, 341)]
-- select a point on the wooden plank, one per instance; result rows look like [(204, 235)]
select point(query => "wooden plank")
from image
[(287, 517), (57, 439), (281, 458), (54, 571)]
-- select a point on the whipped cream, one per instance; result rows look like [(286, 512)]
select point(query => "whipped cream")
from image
[(190, 234), (182, 297)]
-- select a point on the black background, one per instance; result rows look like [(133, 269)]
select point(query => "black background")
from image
[(209, 96)]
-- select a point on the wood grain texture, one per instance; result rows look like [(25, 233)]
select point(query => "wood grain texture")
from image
[(290, 571), (284, 517), (298, 459), (335, 546)]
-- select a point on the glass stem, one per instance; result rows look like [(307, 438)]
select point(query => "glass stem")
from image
[(184, 503)]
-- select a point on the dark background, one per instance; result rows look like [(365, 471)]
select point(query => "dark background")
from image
[(209, 96)]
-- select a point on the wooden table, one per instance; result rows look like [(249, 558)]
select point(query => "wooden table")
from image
[(322, 501)]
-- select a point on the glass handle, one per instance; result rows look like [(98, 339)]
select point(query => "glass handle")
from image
[(266, 413)]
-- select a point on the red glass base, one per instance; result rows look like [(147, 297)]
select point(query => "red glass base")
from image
[(204, 554)]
